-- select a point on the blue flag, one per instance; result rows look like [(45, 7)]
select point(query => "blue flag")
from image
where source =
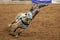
[(41, 1)]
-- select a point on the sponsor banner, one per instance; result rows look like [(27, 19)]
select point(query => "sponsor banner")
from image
[(42, 1)]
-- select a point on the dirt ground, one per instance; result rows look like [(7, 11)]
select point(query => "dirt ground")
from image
[(45, 26)]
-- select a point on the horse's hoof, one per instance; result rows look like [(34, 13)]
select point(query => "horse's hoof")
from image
[(12, 34), (9, 25), (16, 36)]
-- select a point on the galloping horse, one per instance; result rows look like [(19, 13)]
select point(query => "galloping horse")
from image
[(23, 20), (20, 23)]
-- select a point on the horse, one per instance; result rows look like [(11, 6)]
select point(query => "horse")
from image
[(20, 23)]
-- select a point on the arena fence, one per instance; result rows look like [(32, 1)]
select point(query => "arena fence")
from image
[(15, 2)]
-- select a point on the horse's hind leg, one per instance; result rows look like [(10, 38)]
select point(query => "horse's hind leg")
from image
[(16, 30), (20, 30)]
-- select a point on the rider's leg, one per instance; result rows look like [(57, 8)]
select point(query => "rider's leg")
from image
[(37, 9), (37, 5), (35, 12), (33, 7), (40, 6)]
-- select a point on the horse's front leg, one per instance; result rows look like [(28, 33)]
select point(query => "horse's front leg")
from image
[(10, 25), (13, 28)]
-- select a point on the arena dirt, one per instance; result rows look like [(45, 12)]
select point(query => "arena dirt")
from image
[(45, 26)]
